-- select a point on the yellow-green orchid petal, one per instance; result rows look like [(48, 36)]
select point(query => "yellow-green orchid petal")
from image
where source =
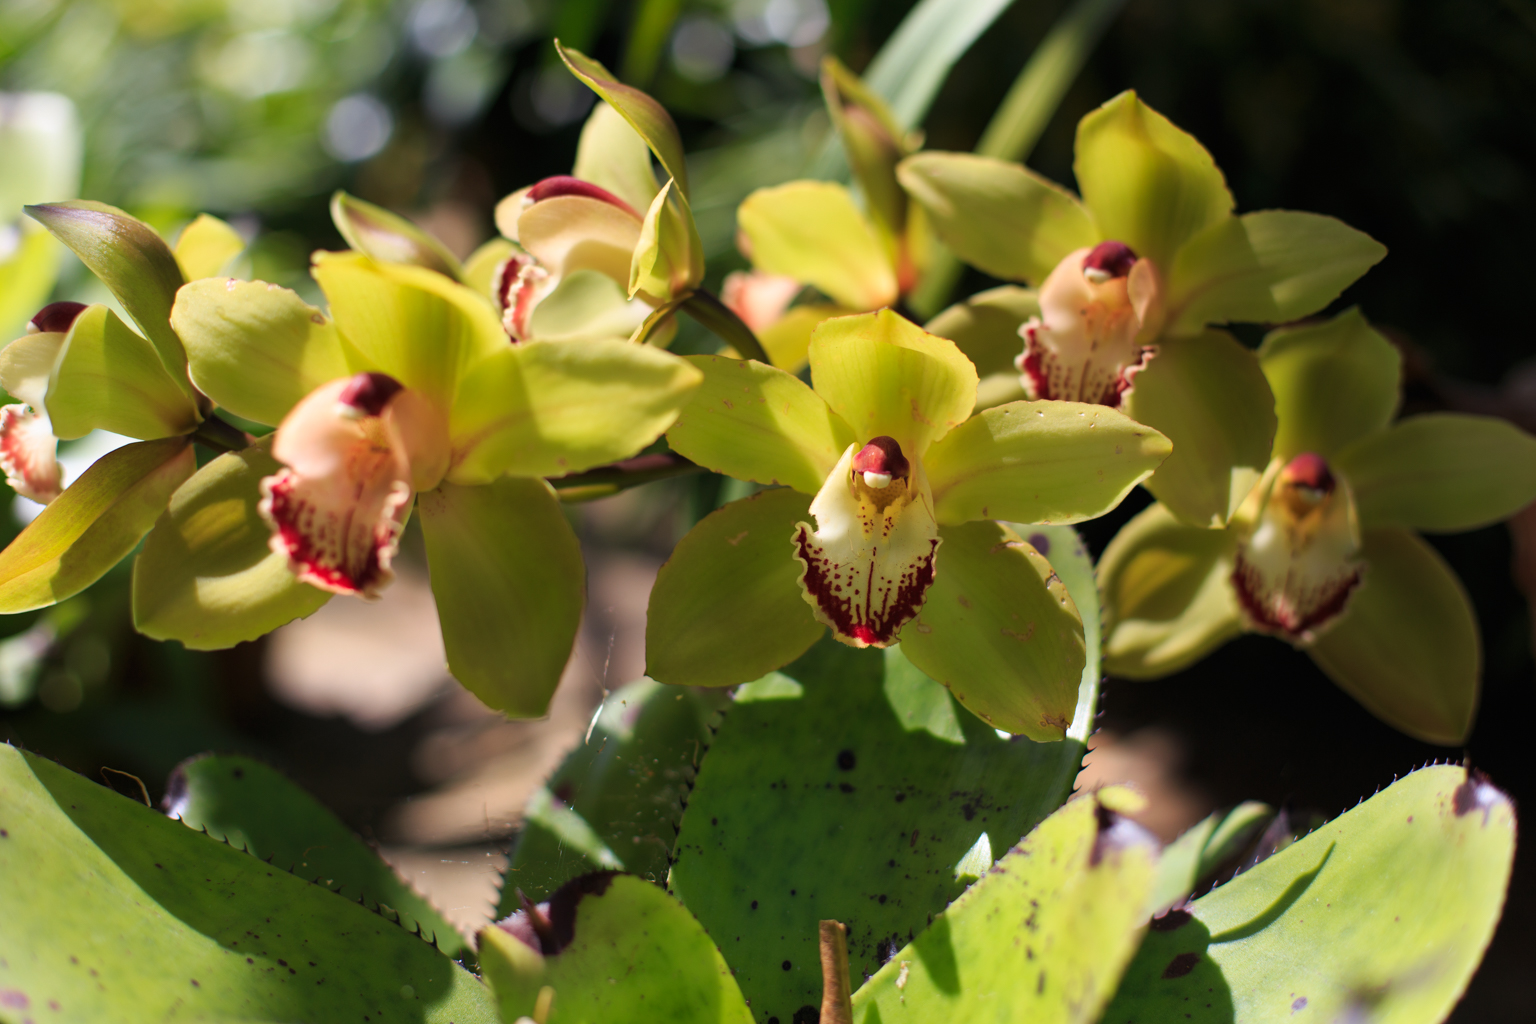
[(1407, 645), (586, 305), (409, 322), (788, 339), (1334, 383), (612, 155), (999, 629), (27, 276), (91, 526), (1167, 595), (548, 409), (255, 348), (726, 607), (812, 231), (568, 232), (108, 377), (1146, 182), (986, 326), (997, 216), (873, 140), (755, 422), (1266, 267), (647, 117), (1209, 396), (1041, 462), (1441, 472), (482, 265), (207, 575), (668, 258), (510, 586), (207, 247), (885, 376), (389, 237)]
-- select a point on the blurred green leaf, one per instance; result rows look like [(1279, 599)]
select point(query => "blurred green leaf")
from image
[(931, 39), (26, 280)]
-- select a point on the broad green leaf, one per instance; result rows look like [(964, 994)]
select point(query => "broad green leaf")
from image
[(255, 348), (647, 117), (510, 586), (131, 260), (1441, 472), (986, 326), (255, 808), (91, 526), (1208, 394), (1407, 644), (1265, 267), (1383, 915), (668, 259), (548, 409), (1042, 937), (481, 266), (409, 322), (820, 823), (1334, 383), (1195, 856), (812, 231), (787, 341), (1146, 182), (628, 953), (755, 422), (931, 39), (207, 575), (997, 216), (584, 306), (885, 376), (388, 237), (1167, 592), (1000, 631), (1040, 462), (617, 800), (115, 912), (207, 247), (27, 276), (613, 156), (873, 142), (107, 377), (727, 606)]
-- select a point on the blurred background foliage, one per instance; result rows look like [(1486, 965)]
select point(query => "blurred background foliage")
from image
[(1409, 120)]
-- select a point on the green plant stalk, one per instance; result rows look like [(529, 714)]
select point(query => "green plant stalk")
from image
[(221, 435), (723, 321), (620, 476)]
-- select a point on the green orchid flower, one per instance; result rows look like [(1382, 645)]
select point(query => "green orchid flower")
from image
[(814, 233), (1323, 553), (1128, 278), (81, 368), (409, 393), (904, 486)]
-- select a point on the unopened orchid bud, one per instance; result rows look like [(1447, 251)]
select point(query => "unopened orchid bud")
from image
[(881, 462), (55, 318), (1107, 261)]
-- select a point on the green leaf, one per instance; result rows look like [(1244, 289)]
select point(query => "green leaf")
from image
[(999, 630), (548, 409), (986, 326), (207, 575), (481, 266), (755, 422), (613, 156), (1040, 462), (647, 117), (1383, 914), (108, 377), (26, 279), (1042, 937), (812, 231), (668, 258), (1199, 853), (207, 247), (884, 376), (1168, 599), (1334, 383), (622, 789), (1407, 644), (409, 322), (1146, 182), (629, 954), (931, 39), (510, 586), (115, 912), (727, 606), (254, 807), (131, 260), (873, 142), (91, 526), (1265, 267), (820, 823), (1441, 472), (999, 217), (388, 237), (1209, 396), (255, 348)]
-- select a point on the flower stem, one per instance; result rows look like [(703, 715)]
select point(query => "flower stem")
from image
[(723, 321), (619, 476), (221, 435)]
